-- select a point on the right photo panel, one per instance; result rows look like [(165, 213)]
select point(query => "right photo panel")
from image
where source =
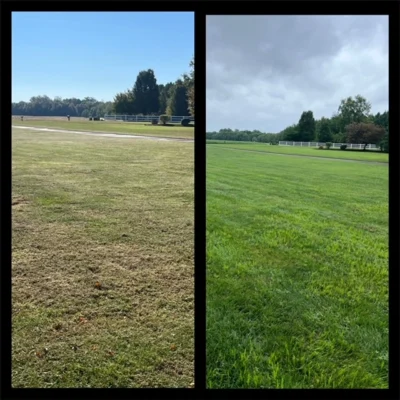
[(297, 202)]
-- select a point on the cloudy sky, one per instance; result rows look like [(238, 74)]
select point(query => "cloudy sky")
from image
[(264, 71)]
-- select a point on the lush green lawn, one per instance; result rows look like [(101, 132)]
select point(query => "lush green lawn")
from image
[(102, 273), (375, 156), (297, 271), (140, 128)]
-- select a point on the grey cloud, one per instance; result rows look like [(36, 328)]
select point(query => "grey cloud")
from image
[(264, 71)]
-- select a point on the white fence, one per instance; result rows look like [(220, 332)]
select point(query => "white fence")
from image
[(144, 118), (334, 145)]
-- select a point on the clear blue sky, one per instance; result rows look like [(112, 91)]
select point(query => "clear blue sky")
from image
[(96, 54)]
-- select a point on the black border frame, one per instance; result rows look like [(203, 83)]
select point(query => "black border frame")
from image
[(392, 10), (202, 8)]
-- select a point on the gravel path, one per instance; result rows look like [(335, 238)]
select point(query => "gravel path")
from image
[(112, 135)]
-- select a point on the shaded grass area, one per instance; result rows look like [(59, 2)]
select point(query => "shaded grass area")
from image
[(102, 273), (374, 156), (140, 128), (297, 272)]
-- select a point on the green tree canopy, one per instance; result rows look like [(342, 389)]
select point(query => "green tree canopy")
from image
[(324, 133), (124, 103), (382, 120), (45, 106), (190, 88), (178, 104), (291, 133), (145, 93), (164, 96), (306, 127), (354, 110)]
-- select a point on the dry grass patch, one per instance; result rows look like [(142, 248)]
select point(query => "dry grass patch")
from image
[(102, 273), (130, 128)]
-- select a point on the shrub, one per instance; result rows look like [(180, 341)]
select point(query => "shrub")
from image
[(90, 118), (154, 121), (321, 147), (339, 137), (343, 147), (384, 144), (328, 145), (164, 118), (185, 122)]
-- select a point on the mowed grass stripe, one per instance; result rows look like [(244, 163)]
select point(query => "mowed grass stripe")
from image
[(297, 272), (142, 128), (373, 156), (88, 210)]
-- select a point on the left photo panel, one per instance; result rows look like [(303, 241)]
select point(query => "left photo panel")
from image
[(103, 199)]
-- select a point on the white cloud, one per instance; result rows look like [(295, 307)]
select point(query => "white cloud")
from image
[(264, 71)]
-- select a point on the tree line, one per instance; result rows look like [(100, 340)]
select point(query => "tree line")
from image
[(45, 106), (146, 97), (352, 123), (149, 98)]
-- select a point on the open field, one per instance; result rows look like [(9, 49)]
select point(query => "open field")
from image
[(103, 262), (134, 128), (42, 118), (297, 271), (375, 156)]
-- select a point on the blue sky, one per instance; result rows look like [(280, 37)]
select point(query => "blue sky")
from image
[(96, 54)]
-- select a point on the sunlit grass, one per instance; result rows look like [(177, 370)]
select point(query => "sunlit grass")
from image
[(102, 274), (133, 128)]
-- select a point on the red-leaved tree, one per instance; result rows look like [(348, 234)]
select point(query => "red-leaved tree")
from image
[(364, 133)]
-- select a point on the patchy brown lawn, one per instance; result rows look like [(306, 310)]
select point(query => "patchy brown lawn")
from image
[(174, 131), (103, 255)]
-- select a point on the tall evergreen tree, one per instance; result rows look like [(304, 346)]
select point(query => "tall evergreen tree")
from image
[(324, 133), (164, 96), (178, 104), (146, 94), (306, 127)]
